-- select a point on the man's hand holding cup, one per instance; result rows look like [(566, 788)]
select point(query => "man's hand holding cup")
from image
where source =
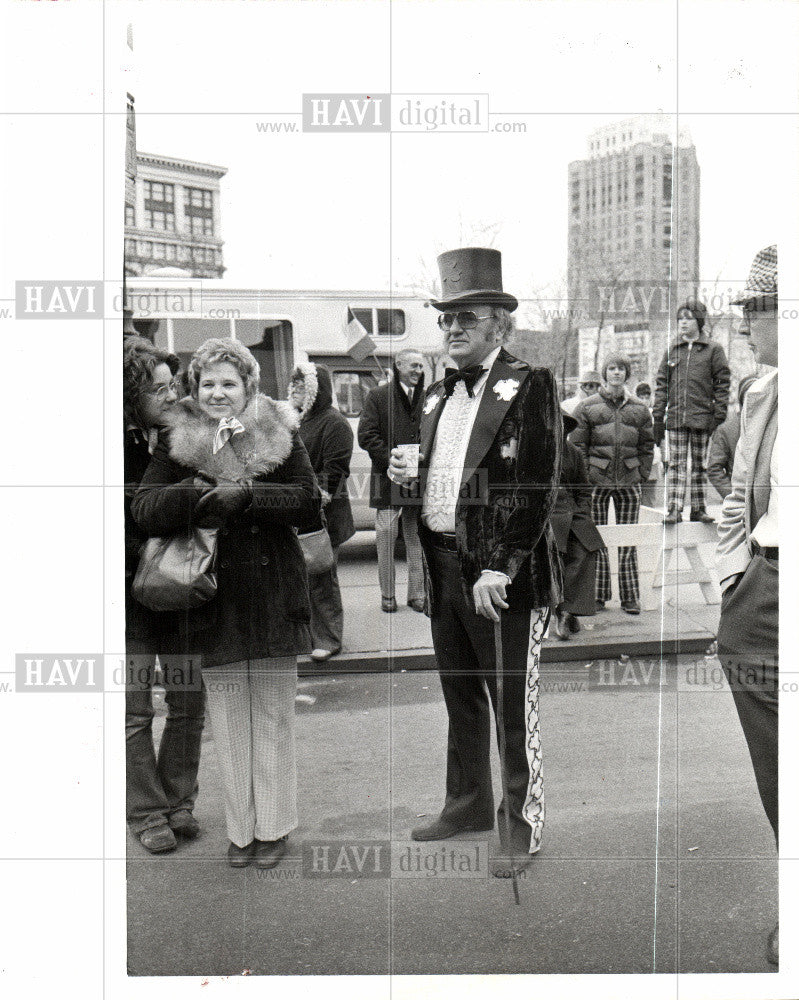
[(403, 466)]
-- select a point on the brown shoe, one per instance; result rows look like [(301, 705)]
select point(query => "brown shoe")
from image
[(417, 604), (240, 857), (773, 946), (674, 515), (441, 829), (158, 839), (269, 852), (184, 824), (389, 605), (701, 515)]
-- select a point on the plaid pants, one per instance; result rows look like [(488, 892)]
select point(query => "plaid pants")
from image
[(681, 442), (627, 504)]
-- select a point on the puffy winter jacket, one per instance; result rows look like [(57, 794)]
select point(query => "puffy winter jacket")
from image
[(615, 436), (693, 386)]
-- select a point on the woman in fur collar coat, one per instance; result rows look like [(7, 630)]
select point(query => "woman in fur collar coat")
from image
[(233, 460)]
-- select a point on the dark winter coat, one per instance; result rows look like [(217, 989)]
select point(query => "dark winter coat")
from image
[(329, 440), (615, 437), (261, 607), (141, 624), (512, 469), (722, 454), (692, 387), (576, 535), (572, 511), (389, 418)]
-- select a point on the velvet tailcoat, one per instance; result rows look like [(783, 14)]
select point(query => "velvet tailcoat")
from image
[(509, 483), (261, 608)]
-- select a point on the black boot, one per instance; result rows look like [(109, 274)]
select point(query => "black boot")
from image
[(674, 515), (700, 514)]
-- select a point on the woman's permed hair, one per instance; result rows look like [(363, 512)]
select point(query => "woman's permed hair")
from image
[(218, 350), (140, 358)]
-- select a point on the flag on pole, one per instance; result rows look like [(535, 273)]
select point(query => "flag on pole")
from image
[(359, 344)]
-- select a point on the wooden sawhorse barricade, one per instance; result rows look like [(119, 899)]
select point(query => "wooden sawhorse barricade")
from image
[(668, 540)]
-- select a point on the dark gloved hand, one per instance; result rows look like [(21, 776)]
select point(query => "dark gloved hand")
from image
[(659, 431), (215, 508)]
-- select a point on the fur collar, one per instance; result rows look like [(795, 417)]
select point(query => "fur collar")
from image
[(305, 375), (266, 443)]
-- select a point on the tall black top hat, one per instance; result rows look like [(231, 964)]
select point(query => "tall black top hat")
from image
[(472, 276)]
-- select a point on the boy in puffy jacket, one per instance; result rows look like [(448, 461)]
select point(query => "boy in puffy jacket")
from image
[(614, 431)]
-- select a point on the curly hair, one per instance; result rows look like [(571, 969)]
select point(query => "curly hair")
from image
[(139, 361), (506, 323), (218, 350)]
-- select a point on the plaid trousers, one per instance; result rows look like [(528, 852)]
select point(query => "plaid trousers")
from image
[(627, 504), (681, 442)]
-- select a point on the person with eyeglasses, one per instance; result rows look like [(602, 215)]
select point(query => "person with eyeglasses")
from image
[(489, 467), (233, 459), (590, 382), (161, 788), (747, 555)]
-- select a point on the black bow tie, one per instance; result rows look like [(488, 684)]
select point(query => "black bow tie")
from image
[(469, 376)]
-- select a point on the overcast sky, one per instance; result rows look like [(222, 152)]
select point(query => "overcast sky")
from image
[(325, 211)]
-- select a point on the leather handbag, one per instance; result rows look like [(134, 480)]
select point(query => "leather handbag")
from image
[(317, 551), (177, 573)]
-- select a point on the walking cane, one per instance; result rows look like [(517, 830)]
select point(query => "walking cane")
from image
[(500, 669)]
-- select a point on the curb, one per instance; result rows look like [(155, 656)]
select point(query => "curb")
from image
[(563, 652)]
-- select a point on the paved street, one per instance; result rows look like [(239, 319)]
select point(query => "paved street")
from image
[(656, 856)]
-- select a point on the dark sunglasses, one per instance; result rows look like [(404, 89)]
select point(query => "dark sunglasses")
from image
[(466, 320)]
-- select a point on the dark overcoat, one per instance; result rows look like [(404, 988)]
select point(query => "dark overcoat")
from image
[(261, 608), (328, 439), (576, 535), (509, 483), (142, 626), (389, 418)]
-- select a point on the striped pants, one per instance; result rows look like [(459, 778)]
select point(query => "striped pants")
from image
[(626, 504), (251, 708), (683, 441)]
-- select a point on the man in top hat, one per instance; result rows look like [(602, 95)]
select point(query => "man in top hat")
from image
[(590, 382), (748, 549), (488, 475)]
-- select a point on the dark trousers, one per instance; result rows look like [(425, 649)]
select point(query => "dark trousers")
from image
[(464, 648), (748, 648), (159, 785), (327, 613)]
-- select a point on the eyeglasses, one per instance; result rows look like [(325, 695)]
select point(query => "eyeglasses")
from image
[(162, 391), (466, 320)]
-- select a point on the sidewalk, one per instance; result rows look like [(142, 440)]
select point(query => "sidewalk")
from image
[(375, 641)]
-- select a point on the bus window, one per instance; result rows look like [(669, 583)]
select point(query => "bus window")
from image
[(391, 322), (350, 389), (270, 341), (190, 333)]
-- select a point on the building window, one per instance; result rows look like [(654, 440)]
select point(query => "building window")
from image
[(130, 215), (130, 248), (159, 206), (382, 322), (199, 207), (170, 251)]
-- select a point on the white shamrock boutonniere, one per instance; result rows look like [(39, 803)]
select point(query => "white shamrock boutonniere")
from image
[(509, 449), (431, 404), (506, 389)]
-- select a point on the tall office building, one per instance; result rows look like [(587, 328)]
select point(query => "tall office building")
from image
[(633, 233)]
